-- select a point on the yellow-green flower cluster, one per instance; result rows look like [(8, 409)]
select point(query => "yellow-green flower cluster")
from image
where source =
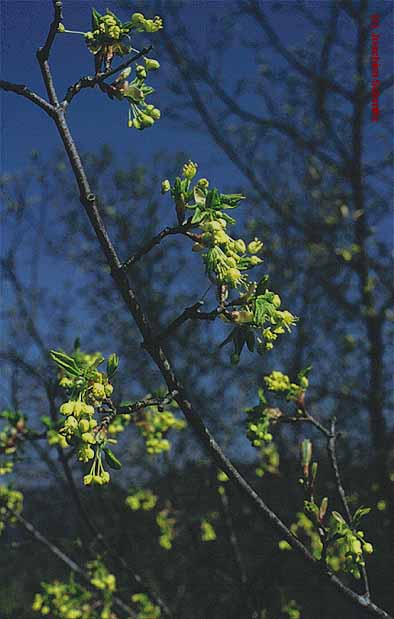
[(226, 261), (141, 24), (345, 546), (64, 601), (146, 608), (141, 499), (269, 460), (70, 600), (259, 420), (142, 114), (349, 544), (10, 499), (166, 524), (154, 426), (11, 435), (291, 609), (110, 37), (208, 533), (281, 383), (88, 390)]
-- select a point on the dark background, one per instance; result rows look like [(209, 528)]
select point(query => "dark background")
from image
[(272, 100)]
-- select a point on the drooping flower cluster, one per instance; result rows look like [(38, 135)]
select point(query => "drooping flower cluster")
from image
[(281, 383), (111, 37), (154, 426), (88, 390), (146, 608), (227, 261), (146, 500), (346, 546), (166, 523), (141, 499), (71, 600), (141, 113), (10, 499), (12, 437)]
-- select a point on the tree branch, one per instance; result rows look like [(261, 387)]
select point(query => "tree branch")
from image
[(90, 81), (24, 91), (55, 550)]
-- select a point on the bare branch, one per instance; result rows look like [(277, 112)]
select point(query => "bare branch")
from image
[(24, 91), (57, 18), (181, 229)]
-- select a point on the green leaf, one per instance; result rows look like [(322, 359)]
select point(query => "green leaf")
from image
[(112, 364), (213, 200), (111, 459), (65, 362), (134, 93), (304, 372), (230, 220), (77, 344), (360, 513), (311, 508), (199, 196), (197, 216), (96, 363), (338, 517), (95, 19)]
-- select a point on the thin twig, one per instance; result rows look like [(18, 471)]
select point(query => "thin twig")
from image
[(55, 550), (147, 247), (90, 81), (331, 448), (24, 91)]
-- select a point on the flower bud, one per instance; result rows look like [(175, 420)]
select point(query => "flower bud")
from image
[(61, 28), (137, 19), (255, 246), (140, 70), (189, 170), (151, 64), (88, 437), (71, 423), (254, 261), (98, 391), (240, 246), (67, 408), (84, 425), (108, 390), (165, 186), (368, 548), (232, 277), (155, 113)]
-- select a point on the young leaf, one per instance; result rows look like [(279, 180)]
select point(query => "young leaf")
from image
[(112, 364), (111, 459), (95, 19), (65, 362)]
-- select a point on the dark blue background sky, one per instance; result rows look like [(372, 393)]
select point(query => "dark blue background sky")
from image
[(96, 120)]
